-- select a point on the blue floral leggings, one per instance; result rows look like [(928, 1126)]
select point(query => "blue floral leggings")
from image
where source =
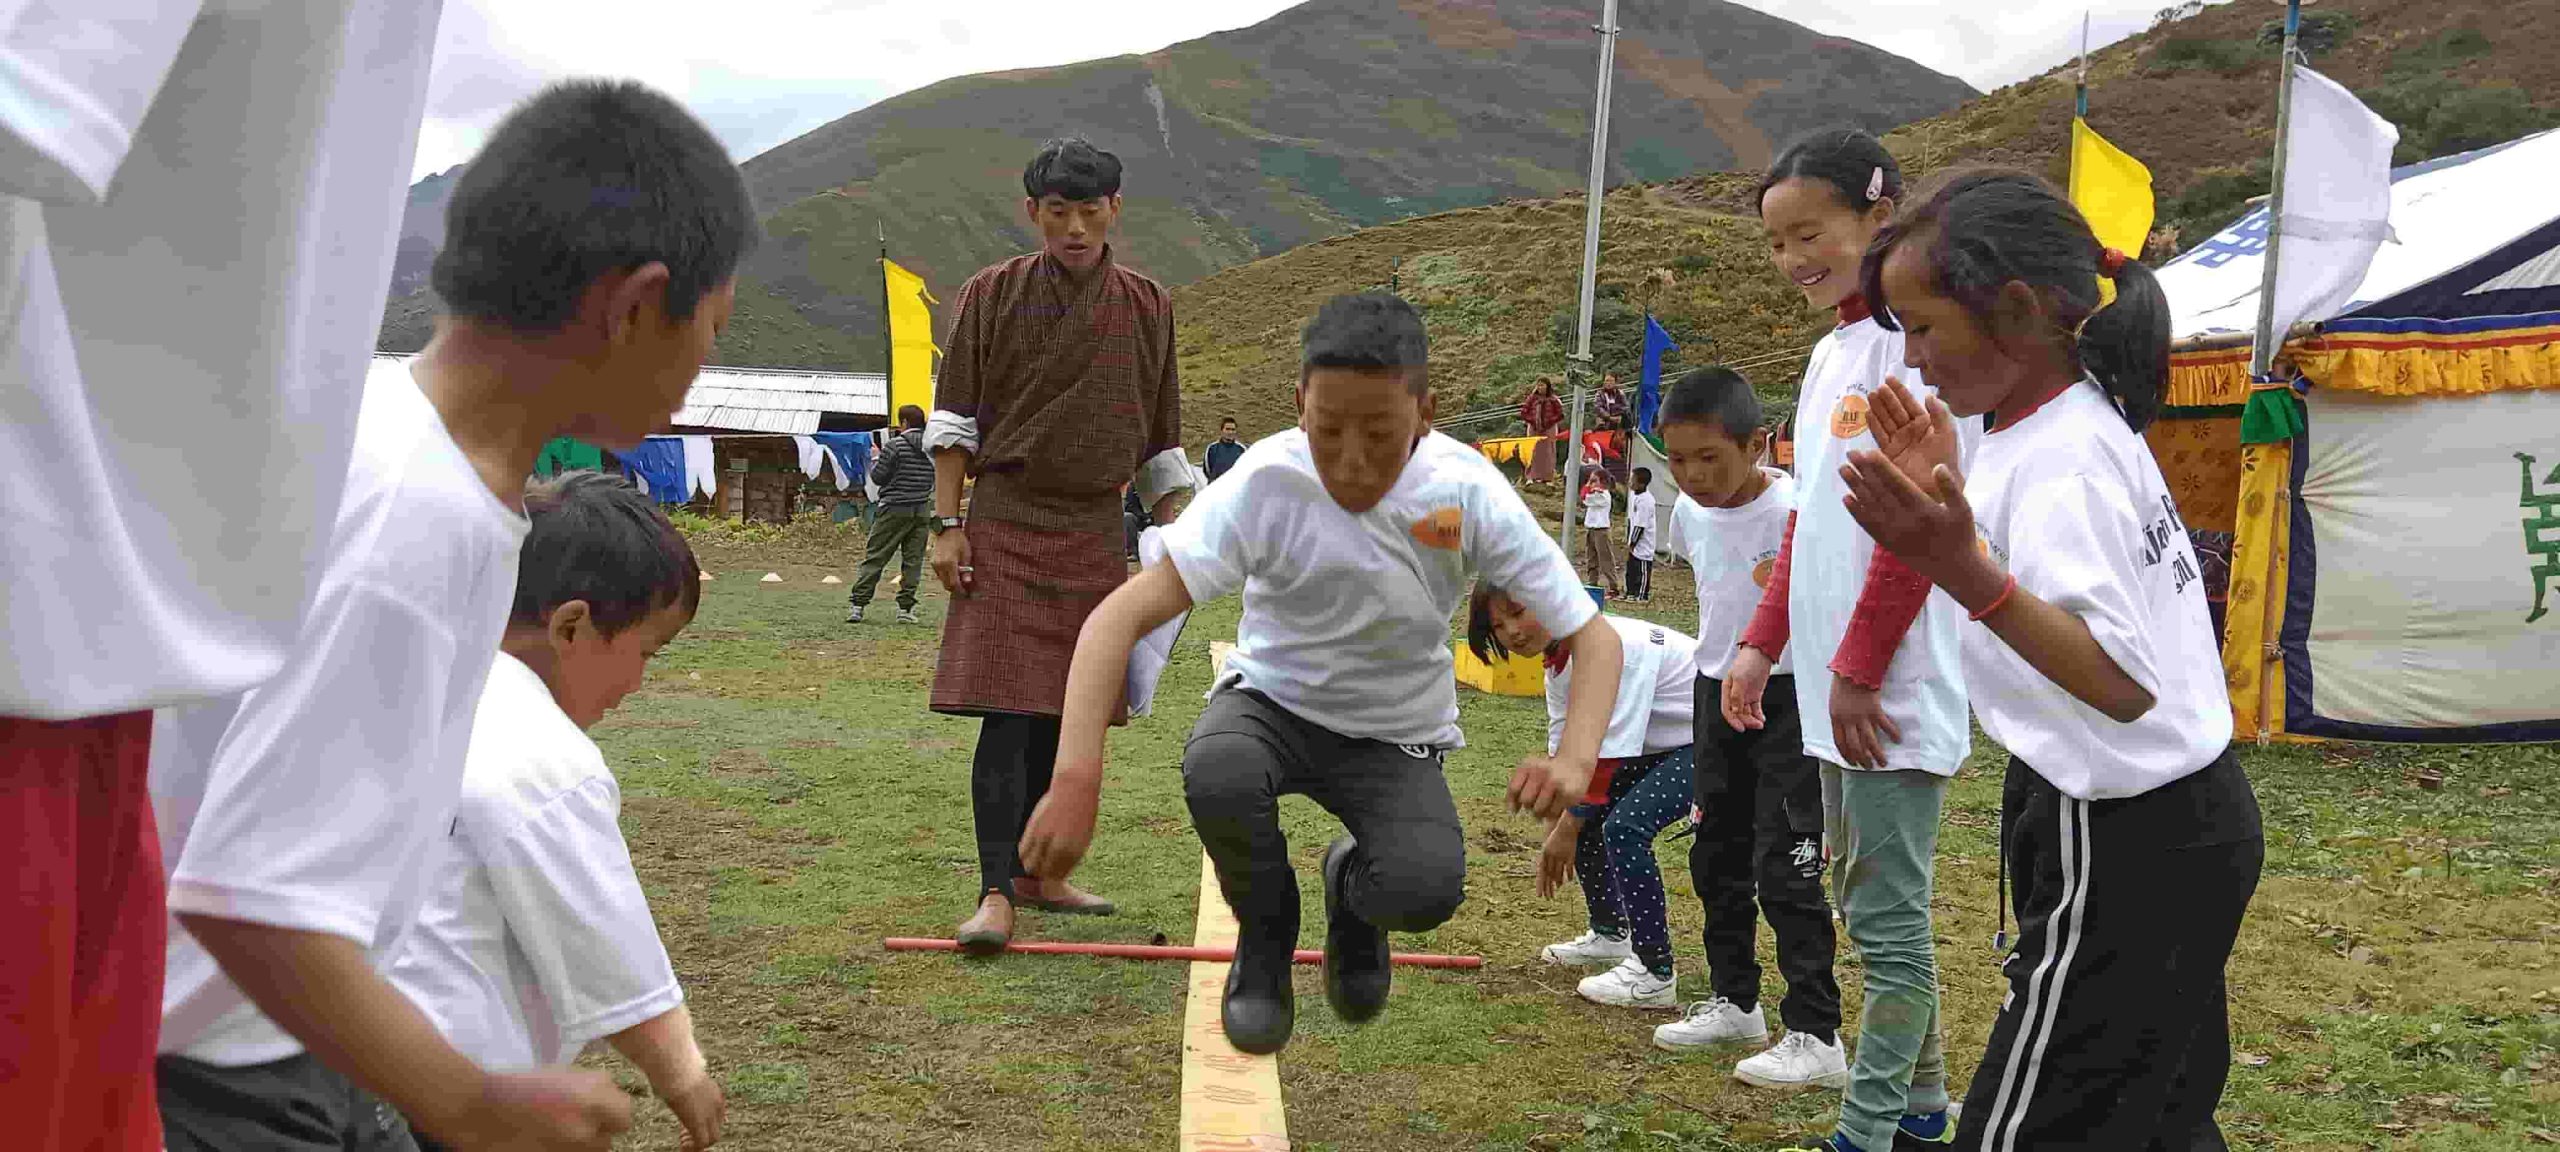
[(1620, 880)]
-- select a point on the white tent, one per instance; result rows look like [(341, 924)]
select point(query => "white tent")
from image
[(2395, 572)]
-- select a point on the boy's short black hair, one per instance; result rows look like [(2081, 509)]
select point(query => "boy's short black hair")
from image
[(1374, 331), (1643, 479), (910, 416), (587, 178), (1223, 421), (1070, 168), (1714, 395), (595, 538)]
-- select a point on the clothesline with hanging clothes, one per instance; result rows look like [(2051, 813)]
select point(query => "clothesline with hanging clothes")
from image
[(675, 469)]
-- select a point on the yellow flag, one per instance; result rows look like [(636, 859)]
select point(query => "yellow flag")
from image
[(911, 347), (2113, 190)]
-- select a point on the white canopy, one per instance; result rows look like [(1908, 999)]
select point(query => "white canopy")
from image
[(2445, 213)]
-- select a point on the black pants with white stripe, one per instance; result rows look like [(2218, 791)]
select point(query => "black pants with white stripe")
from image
[(2115, 1033)]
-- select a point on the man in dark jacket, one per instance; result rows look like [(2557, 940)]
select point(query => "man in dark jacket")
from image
[(1224, 450), (905, 476)]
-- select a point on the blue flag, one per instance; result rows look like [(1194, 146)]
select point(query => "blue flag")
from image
[(1649, 393)]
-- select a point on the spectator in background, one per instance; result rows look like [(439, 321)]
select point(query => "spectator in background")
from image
[(1223, 451), (1609, 406), (1542, 413), (1640, 542), (902, 518)]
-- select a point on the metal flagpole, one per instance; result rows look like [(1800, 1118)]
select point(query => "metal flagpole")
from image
[(1580, 368), (2080, 90), (2262, 356), (888, 335)]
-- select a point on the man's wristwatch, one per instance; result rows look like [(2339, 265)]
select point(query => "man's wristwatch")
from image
[(942, 524)]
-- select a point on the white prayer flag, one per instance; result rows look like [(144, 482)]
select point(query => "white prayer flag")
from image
[(2337, 200)]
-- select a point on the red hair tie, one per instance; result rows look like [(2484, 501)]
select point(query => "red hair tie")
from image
[(2110, 263)]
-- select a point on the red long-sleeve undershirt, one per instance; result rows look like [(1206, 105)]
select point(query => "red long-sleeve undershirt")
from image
[(1888, 604)]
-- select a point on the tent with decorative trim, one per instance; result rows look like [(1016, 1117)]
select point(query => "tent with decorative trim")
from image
[(2392, 515)]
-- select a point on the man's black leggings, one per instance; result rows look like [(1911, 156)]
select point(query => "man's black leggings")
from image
[(1007, 778)]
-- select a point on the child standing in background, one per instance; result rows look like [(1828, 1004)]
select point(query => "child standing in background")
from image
[(1641, 518), (1599, 560), (1759, 797), (1641, 787), (1878, 680), (536, 940), (2132, 835)]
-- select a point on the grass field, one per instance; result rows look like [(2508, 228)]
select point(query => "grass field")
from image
[(790, 802)]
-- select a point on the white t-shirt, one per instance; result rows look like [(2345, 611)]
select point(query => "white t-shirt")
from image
[(198, 208), (1657, 687), (318, 800), (1346, 618), (1733, 552), (1924, 687), (2071, 502), (1640, 525), (536, 940), (1595, 508)]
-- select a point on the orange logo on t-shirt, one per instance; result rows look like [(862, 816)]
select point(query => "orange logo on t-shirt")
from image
[(1850, 418), (1442, 529), (1761, 572)]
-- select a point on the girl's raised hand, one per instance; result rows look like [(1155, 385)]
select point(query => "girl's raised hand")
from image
[(1932, 532), (1916, 437)]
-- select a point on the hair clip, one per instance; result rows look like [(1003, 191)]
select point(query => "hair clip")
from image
[(1875, 184), (2111, 263)]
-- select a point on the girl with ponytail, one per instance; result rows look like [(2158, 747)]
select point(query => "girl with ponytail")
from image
[(2132, 833)]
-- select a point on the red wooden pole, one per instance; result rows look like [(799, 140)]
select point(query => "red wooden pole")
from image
[(1166, 952)]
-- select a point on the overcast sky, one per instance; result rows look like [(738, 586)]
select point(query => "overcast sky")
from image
[(763, 71)]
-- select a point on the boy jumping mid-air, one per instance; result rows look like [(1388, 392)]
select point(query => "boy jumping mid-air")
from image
[(1352, 538)]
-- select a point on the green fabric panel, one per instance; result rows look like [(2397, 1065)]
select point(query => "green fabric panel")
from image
[(566, 455), (2273, 416)]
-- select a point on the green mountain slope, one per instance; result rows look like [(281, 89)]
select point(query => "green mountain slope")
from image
[(1335, 115), (2193, 98)]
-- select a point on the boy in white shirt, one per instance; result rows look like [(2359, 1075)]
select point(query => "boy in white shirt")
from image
[(589, 264), (1352, 538), (1759, 796), (536, 940), (1642, 516)]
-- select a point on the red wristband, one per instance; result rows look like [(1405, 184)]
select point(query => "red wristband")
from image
[(2007, 587)]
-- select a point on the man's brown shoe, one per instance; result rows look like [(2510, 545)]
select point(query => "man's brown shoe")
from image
[(1060, 896), (986, 933)]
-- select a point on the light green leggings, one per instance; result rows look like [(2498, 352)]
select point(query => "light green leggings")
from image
[(1884, 834)]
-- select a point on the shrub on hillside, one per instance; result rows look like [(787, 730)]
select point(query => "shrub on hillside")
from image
[(2226, 57)]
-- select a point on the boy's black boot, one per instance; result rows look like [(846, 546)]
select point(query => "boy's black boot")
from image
[(1260, 1006), (1356, 976)]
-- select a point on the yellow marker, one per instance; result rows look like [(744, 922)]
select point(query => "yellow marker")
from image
[(1230, 1099)]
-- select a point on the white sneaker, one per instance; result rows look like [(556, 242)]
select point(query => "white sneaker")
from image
[(906, 615), (1631, 985), (1799, 1063), (1588, 948), (1712, 1022)]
